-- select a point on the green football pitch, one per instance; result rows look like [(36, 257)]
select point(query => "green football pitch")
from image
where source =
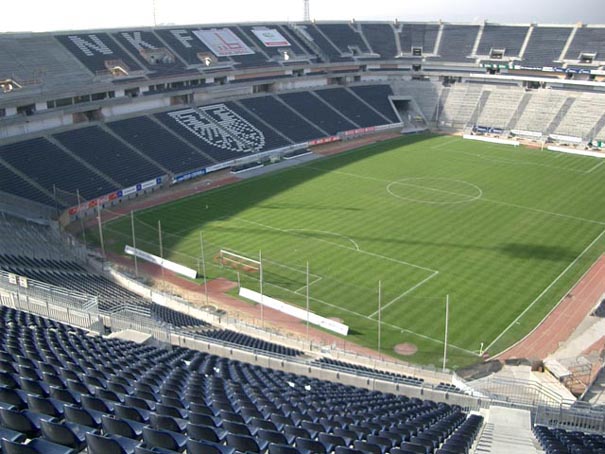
[(504, 232)]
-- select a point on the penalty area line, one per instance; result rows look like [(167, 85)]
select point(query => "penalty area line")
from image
[(410, 290), (315, 281)]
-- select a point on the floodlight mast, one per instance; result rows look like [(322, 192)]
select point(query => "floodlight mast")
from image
[(307, 12)]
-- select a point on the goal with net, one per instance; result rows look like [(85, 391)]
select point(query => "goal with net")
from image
[(238, 262)]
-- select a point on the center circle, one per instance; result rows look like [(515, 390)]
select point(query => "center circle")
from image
[(434, 191)]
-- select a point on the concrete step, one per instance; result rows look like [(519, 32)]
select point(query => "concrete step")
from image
[(507, 431)]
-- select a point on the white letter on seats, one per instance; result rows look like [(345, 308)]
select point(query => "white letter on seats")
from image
[(87, 47), (183, 36), (136, 41)]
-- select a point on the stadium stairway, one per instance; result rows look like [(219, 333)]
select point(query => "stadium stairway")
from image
[(507, 431)]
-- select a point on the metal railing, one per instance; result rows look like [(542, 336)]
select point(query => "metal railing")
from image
[(52, 302), (579, 416)]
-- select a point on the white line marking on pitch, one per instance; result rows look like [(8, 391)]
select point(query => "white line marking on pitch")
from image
[(410, 290), (311, 283), (405, 182), (514, 205), (595, 167), (510, 161), (551, 213), (546, 290), (326, 232), (368, 317), (399, 328), (361, 251), (443, 144)]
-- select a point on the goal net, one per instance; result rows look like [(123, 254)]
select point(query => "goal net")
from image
[(238, 262)]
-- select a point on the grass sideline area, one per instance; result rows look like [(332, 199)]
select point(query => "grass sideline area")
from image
[(504, 232)]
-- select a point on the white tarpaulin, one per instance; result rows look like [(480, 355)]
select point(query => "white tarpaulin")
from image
[(180, 269), (270, 37), (294, 311), (223, 42)]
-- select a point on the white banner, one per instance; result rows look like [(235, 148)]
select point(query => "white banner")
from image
[(220, 166), (270, 37), (514, 143), (223, 42), (297, 312), (149, 184), (180, 269), (562, 138), (128, 191), (520, 132)]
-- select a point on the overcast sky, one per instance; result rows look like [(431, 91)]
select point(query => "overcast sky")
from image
[(45, 15)]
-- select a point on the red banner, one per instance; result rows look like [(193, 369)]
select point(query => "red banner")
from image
[(355, 132), (323, 140)]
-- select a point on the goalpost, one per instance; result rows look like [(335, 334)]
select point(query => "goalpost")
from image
[(238, 261)]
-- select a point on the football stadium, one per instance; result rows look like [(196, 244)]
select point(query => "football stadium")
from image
[(334, 237)]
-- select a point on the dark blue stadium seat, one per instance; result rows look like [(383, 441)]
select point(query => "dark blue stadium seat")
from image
[(507, 37), (123, 427), (281, 118), (256, 409), (355, 110), (545, 45), (457, 42), (24, 421), (344, 37), (307, 445), (159, 144), (587, 39), (67, 434), (206, 447), (282, 449), (12, 183), (381, 38), (317, 112), (113, 444), (82, 416), (243, 443), (14, 397), (36, 446), (367, 447), (105, 49), (378, 97), (46, 406), (328, 49), (346, 450), (110, 156), (330, 441), (132, 413), (48, 165), (420, 36), (162, 422), (164, 439)]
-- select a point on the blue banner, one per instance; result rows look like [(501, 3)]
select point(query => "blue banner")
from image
[(188, 176)]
